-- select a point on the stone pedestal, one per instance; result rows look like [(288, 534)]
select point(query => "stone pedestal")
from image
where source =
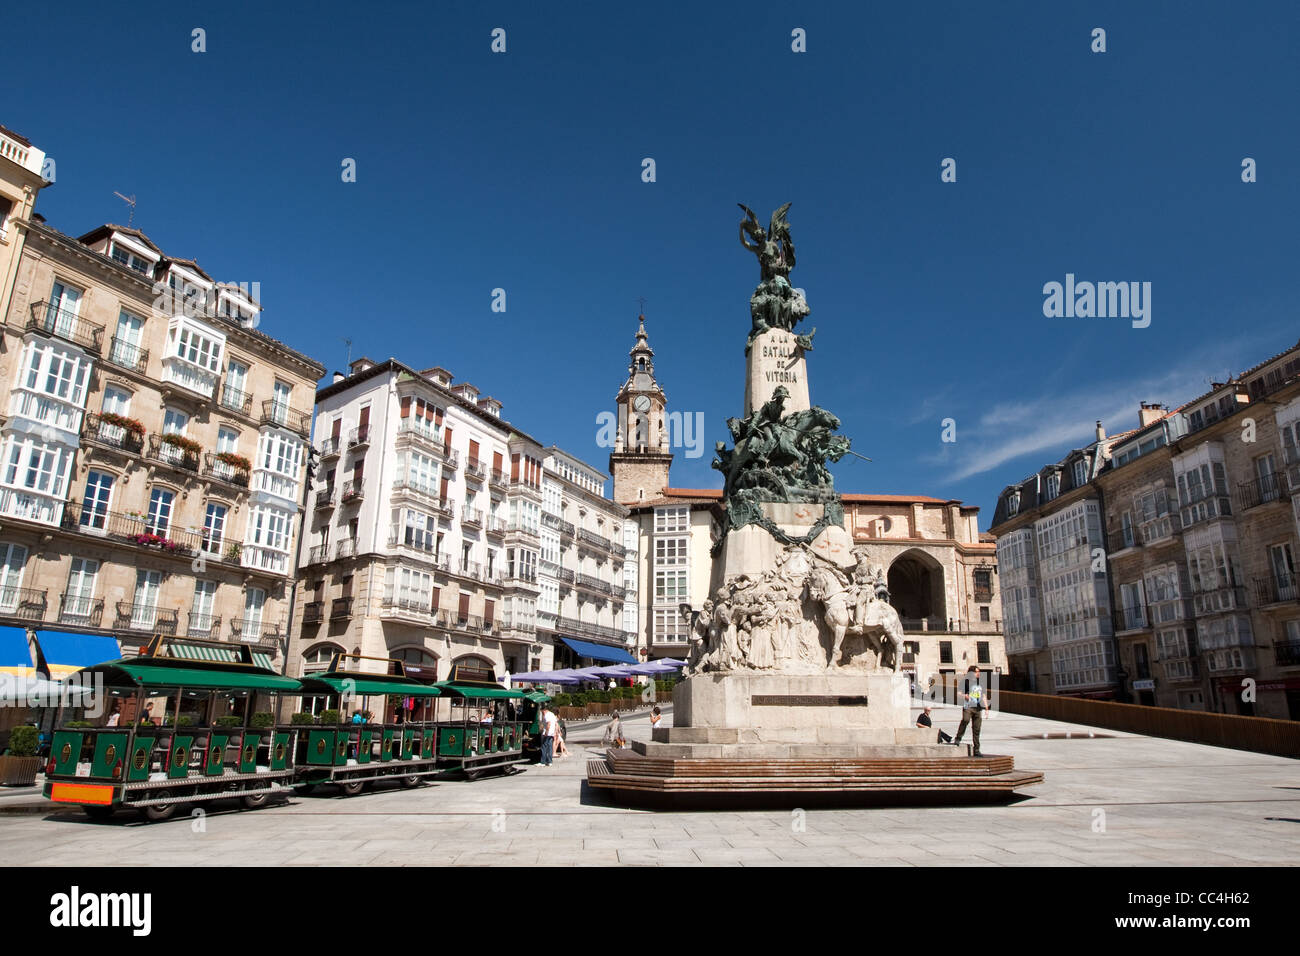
[(776, 358)]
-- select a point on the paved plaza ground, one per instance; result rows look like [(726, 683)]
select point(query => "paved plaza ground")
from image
[(1111, 799)]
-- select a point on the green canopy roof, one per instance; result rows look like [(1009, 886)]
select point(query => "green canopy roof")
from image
[(536, 696), (154, 673), (492, 691), (367, 685)]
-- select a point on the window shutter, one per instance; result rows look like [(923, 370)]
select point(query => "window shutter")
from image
[(514, 467), (488, 607), (442, 489), (464, 607), (406, 407), (496, 461), (473, 451), (437, 417), (437, 592), (446, 438), (365, 416), (337, 428)]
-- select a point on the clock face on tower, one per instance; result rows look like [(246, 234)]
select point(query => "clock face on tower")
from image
[(642, 403)]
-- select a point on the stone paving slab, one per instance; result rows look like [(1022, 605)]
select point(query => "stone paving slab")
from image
[(1118, 799)]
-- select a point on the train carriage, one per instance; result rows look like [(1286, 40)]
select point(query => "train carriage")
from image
[(353, 754), (184, 731), (487, 726)]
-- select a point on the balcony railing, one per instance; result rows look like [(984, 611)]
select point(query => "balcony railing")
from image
[(594, 584), (24, 604), (146, 617), (1276, 589), (1123, 539), (100, 432), (313, 612), (408, 432), (172, 455), (1261, 491), (599, 632), (353, 491), (495, 526), (922, 624), (1130, 618), (133, 528), (127, 355), (419, 604), (359, 437), (253, 630), (1214, 600), (497, 477), (80, 610), (284, 416), (231, 474), (345, 548), (236, 400), (325, 497), (204, 626), (472, 516), (340, 608), (474, 468), (329, 447), (565, 575), (983, 595), (1287, 653), (471, 569), (319, 554), (49, 319), (591, 538)]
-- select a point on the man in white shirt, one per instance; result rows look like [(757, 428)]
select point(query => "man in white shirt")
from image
[(549, 728)]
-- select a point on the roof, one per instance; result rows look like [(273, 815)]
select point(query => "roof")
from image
[(109, 227), (15, 136)]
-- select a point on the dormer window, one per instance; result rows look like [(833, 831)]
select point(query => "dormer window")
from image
[(1013, 504), (1080, 473), (119, 253), (1053, 484)]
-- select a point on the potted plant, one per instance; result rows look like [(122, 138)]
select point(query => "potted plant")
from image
[(230, 720), (261, 720), (19, 764), (234, 551), (132, 425), (234, 461), (302, 717), (330, 716)]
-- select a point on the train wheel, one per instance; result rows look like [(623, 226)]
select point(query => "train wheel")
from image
[(410, 780), (303, 789), (255, 801), (352, 787), (158, 812), (473, 774), (98, 813)]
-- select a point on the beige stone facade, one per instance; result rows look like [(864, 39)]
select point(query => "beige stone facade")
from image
[(154, 448)]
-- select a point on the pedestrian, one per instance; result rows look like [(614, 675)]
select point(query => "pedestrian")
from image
[(549, 728), (923, 720), (614, 733), (973, 710), (358, 717), (655, 717), (115, 716), (561, 748)]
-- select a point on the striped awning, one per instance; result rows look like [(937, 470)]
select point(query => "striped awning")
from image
[(223, 655)]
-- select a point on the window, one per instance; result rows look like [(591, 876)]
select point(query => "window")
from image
[(36, 467), (945, 652), (670, 551), (668, 520), (79, 596), (1053, 485), (196, 348), (982, 652), (269, 528), (254, 603), (984, 612), (983, 579), (227, 441), (420, 531), (670, 586), (119, 253), (160, 511), (117, 401), (669, 627), (1080, 473), (205, 596), (97, 500), (145, 610), (214, 527), (125, 349), (13, 558), (174, 422)]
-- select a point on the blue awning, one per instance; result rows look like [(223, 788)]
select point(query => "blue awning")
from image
[(71, 650), (599, 652), (15, 656)]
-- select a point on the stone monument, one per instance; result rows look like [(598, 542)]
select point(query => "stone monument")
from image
[(795, 657)]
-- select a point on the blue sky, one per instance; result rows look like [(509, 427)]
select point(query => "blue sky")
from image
[(522, 171)]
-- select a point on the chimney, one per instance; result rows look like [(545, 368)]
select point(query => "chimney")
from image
[(338, 377), (1101, 432), (1150, 412)]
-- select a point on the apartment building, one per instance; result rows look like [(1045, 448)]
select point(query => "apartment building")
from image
[(1202, 525), (154, 449), (587, 569), (436, 533), (21, 165), (1056, 607)]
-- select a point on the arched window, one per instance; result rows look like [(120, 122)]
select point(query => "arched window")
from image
[(318, 658)]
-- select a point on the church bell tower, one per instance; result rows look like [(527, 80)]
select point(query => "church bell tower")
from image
[(641, 457)]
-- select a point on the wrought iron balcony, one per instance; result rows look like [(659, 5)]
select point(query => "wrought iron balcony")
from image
[(1276, 589), (146, 617), (127, 355), (325, 497), (472, 517), (495, 526), (135, 529), (232, 473), (236, 400), (49, 319), (204, 626), (24, 604), (420, 605), (471, 569), (564, 574), (253, 631), (318, 554), (353, 491), (1287, 653), (80, 610), (284, 416), (1261, 491), (172, 455), (329, 448), (594, 584), (475, 469), (359, 437), (497, 478), (923, 624), (313, 612), (100, 432), (591, 538), (346, 548)]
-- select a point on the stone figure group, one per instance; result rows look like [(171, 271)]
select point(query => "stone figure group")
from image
[(774, 304), (775, 622)]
